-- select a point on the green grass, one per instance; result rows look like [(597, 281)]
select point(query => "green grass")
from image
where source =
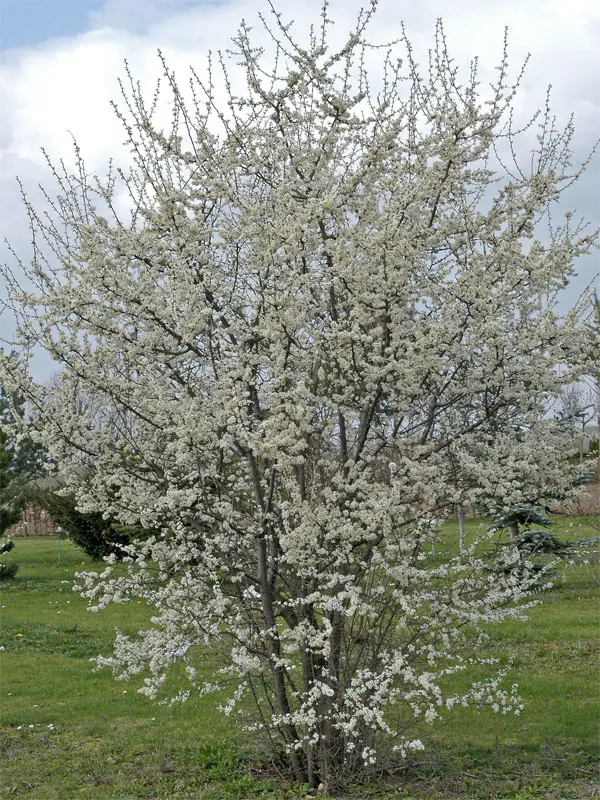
[(69, 732)]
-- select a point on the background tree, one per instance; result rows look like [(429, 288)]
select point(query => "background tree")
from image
[(321, 290), (20, 463), (577, 408), (10, 506), (98, 537), (593, 519), (11, 498)]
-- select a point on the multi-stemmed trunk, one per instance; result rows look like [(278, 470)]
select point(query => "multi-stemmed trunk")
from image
[(312, 762)]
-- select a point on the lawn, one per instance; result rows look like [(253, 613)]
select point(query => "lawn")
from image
[(69, 732)]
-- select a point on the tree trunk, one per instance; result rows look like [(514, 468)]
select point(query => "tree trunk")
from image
[(274, 651), (461, 528)]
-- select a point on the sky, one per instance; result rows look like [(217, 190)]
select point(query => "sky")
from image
[(60, 61)]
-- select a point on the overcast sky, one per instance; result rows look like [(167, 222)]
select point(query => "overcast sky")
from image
[(60, 61)]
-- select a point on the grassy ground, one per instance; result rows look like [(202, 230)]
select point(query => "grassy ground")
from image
[(68, 732)]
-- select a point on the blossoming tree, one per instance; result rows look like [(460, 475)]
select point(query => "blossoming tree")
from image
[(324, 320)]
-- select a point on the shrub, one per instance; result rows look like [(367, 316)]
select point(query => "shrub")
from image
[(7, 571), (97, 537)]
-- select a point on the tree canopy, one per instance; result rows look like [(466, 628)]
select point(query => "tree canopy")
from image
[(325, 318)]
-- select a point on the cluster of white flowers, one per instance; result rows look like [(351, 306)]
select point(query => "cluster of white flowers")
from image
[(50, 727), (320, 328)]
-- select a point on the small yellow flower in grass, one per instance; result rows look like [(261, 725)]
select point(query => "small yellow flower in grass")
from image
[(19, 635)]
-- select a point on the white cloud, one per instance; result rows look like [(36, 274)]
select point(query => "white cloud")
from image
[(138, 15), (65, 86)]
